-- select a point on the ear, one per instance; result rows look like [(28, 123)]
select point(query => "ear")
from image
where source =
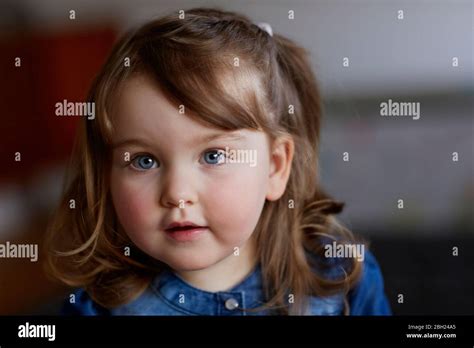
[(280, 167)]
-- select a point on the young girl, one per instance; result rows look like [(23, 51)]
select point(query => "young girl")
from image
[(195, 188)]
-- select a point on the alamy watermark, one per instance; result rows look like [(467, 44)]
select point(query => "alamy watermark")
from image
[(66, 108), (343, 250), (393, 108), (22, 251), (28, 330), (240, 156)]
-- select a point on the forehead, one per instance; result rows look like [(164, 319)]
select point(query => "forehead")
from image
[(142, 110), (139, 96)]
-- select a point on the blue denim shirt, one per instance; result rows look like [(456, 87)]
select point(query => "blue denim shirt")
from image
[(168, 294)]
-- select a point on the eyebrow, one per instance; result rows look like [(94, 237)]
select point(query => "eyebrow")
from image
[(199, 140)]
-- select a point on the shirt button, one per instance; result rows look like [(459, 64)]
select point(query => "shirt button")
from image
[(231, 304)]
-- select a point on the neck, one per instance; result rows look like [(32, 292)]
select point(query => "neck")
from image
[(226, 273)]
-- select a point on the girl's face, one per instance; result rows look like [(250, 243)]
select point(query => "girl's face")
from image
[(168, 168)]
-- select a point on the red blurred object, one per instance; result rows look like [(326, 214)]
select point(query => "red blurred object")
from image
[(54, 67)]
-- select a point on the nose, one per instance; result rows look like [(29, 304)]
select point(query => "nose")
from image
[(178, 189)]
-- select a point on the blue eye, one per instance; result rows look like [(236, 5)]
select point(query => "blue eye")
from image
[(144, 162), (214, 156)]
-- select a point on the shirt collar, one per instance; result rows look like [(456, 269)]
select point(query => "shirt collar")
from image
[(177, 292)]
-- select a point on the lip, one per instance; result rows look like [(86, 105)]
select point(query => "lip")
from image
[(191, 231), (181, 224)]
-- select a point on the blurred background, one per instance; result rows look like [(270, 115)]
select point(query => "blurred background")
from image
[(409, 59)]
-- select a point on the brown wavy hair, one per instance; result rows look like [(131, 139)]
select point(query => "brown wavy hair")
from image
[(273, 90)]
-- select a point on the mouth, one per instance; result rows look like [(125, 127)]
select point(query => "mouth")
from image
[(185, 231)]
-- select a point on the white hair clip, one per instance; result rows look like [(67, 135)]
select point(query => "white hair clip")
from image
[(267, 27)]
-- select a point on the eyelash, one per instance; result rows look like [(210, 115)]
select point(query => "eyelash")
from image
[(137, 156)]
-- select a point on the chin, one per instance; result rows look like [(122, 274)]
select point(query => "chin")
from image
[(186, 264)]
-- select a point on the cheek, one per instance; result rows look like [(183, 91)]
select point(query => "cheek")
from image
[(235, 206), (132, 205)]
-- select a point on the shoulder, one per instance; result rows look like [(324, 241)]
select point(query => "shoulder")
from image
[(80, 303), (368, 296)]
